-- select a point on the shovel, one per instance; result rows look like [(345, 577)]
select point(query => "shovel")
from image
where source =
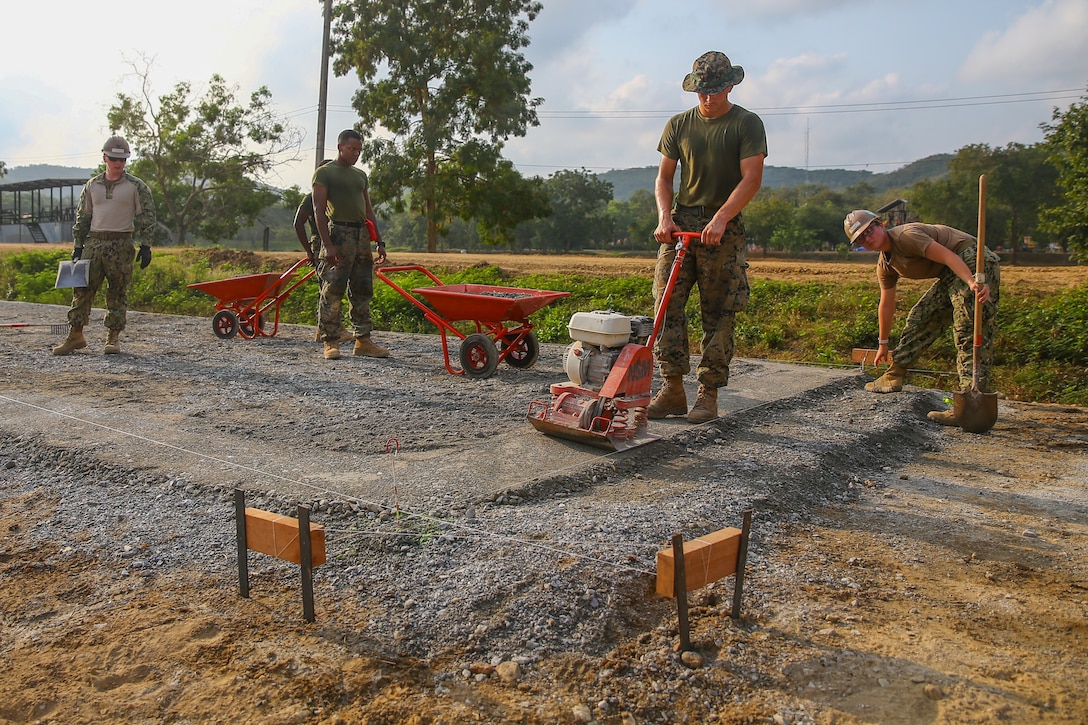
[(974, 410), (72, 274)]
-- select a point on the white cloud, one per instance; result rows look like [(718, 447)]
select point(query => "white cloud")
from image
[(1047, 42)]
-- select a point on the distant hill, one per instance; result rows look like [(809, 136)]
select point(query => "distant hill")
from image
[(44, 171), (626, 181)]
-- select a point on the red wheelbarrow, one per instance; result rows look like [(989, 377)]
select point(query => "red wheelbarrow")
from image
[(490, 308), (243, 303)]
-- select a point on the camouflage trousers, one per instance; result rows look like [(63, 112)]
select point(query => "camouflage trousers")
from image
[(950, 300), (354, 274), (111, 262), (721, 275)]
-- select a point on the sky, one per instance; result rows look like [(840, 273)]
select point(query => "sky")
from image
[(843, 84)]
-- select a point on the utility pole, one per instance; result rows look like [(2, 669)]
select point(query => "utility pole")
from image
[(323, 94)]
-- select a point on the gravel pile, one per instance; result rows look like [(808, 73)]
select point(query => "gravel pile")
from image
[(142, 453)]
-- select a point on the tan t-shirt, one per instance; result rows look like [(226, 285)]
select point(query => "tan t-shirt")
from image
[(907, 257)]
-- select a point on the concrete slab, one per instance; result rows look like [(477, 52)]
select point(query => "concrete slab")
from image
[(271, 414)]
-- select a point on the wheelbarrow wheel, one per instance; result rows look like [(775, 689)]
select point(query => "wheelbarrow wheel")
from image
[(479, 356), (225, 324), (247, 327), (524, 353)]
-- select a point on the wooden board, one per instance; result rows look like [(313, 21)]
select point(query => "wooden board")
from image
[(706, 559), (277, 536), (863, 355)]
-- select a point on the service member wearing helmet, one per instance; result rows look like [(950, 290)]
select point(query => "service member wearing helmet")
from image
[(114, 206), (720, 148), (927, 251)]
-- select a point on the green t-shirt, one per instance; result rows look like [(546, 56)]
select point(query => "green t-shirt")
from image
[(710, 151), (346, 187)]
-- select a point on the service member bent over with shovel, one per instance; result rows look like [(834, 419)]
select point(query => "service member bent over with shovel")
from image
[(927, 251)]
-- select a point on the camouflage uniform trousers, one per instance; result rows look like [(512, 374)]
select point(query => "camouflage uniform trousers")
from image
[(354, 274), (111, 261), (950, 300), (721, 275)]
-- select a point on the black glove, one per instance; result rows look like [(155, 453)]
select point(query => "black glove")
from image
[(144, 255), (77, 252)]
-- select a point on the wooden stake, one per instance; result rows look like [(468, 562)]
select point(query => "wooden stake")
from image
[(742, 560), (681, 592), (307, 557), (243, 557)]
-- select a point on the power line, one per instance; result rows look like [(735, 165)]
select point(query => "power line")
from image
[(918, 104)]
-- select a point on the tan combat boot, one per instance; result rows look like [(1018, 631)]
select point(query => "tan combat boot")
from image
[(890, 382), (365, 347), (332, 350), (706, 405), (113, 344), (74, 341), (944, 417), (670, 400)]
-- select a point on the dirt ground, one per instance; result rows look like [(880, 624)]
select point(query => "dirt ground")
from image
[(948, 586)]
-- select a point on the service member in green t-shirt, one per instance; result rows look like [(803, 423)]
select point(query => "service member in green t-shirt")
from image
[(719, 148), (345, 220)]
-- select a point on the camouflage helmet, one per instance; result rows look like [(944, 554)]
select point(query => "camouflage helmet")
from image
[(116, 147), (712, 73), (856, 222)]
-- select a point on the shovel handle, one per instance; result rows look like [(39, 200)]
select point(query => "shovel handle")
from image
[(980, 276)]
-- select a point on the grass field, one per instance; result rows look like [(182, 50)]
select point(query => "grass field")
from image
[(806, 311)]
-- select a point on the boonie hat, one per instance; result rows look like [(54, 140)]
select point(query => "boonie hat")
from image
[(117, 147), (712, 73)]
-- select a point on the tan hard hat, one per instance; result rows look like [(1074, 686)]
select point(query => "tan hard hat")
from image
[(117, 147), (857, 222)]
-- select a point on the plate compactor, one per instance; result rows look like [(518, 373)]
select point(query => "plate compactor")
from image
[(610, 366)]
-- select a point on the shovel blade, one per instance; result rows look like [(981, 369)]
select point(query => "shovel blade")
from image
[(975, 411), (72, 274)]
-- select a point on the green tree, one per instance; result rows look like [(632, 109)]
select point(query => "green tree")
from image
[(486, 189), (3, 169), (633, 221), (292, 196), (1024, 181), (793, 237), (823, 220), (405, 231), (1066, 142), (763, 215), (945, 201), (577, 203), (203, 155), (435, 77), (1019, 181)]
